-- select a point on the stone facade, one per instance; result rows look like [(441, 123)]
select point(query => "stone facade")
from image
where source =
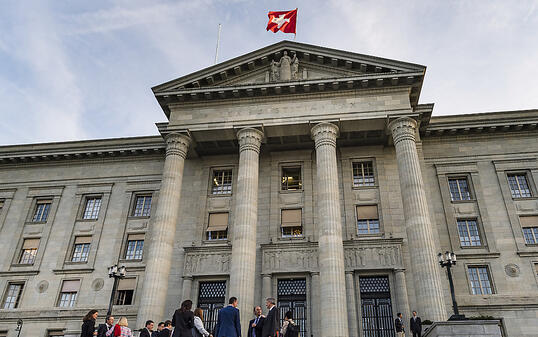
[(364, 153)]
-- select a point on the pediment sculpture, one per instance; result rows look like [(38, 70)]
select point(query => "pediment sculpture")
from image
[(286, 69)]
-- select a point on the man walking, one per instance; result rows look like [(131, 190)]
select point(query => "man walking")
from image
[(271, 323), (107, 329), (228, 323), (255, 325), (398, 324), (416, 325)]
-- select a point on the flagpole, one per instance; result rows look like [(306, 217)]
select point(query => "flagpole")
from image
[(218, 42)]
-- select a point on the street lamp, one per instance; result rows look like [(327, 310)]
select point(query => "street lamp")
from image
[(19, 326), (448, 260), (117, 273)]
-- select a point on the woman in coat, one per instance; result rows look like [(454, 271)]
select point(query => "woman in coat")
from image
[(199, 330), (88, 324), (183, 320)]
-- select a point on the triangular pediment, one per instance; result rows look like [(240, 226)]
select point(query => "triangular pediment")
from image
[(314, 63)]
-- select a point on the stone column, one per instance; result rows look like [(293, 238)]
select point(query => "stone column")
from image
[(401, 294), (331, 249), (187, 288), (315, 304), (267, 288), (243, 262), (351, 305), (422, 248), (163, 230)]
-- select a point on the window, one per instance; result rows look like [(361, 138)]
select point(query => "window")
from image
[(142, 205), (42, 209), (2, 201), (530, 229), (292, 222), (536, 268), (3, 333), (459, 189), (68, 295), (468, 231), (519, 186), (367, 220), (221, 182), (480, 280), (91, 210), (81, 248), (29, 251), (12, 296), (55, 333), (291, 178), (135, 247), (363, 174), (218, 226), (125, 292)]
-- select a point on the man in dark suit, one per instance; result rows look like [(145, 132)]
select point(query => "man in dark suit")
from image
[(147, 331), (255, 325), (107, 329), (415, 325), (228, 323), (398, 324), (271, 323), (167, 330)]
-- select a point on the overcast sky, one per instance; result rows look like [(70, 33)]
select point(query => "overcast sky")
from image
[(72, 70)]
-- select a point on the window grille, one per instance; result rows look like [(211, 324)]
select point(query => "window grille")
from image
[(221, 182), (363, 174), (480, 280), (519, 186), (12, 296), (291, 178), (91, 210), (459, 189), (142, 205), (469, 234), (42, 209)]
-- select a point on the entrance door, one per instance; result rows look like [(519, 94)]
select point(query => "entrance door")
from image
[(292, 297), (376, 307), (211, 298)]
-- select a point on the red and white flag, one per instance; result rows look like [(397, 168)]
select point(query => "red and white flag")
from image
[(284, 21)]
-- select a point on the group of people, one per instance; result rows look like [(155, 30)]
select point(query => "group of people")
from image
[(186, 323), (415, 324), (121, 328)]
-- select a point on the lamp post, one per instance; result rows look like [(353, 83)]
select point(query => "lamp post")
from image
[(117, 273), (448, 260), (19, 326)]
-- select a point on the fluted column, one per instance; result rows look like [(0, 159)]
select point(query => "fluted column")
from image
[(243, 263), (422, 249), (331, 249), (351, 305), (163, 229), (315, 306), (267, 288), (401, 294)]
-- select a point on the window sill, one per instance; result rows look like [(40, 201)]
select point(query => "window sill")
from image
[(525, 198), (373, 187), (463, 201), (222, 195), (290, 191), (368, 236), (131, 260), (22, 265), (219, 242), (35, 222), (86, 220), (292, 238), (75, 263), (73, 271), (132, 217)]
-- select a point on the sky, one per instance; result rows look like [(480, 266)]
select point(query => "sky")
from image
[(75, 70)]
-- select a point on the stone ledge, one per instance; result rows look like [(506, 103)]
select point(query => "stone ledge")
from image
[(468, 328)]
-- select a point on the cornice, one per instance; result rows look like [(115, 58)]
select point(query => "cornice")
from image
[(82, 150), (489, 122)]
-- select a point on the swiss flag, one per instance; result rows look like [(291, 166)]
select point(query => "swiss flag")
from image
[(284, 21)]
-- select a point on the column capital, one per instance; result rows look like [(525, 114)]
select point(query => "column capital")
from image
[(188, 278), (349, 272), (267, 275), (249, 139), (177, 144), (399, 270), (314, 273), (403, 128), (324, 134)]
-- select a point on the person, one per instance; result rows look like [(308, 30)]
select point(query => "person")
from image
[(398, 324), (160, 327), (167, 329), (121, 329), (183, 320), (289, 328), (199, 330), (106, 329), (255, 325), (271, 325), (88, 324), (415, 325), (228, 322), (147, 331)]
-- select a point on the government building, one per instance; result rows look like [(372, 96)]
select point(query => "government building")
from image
[(298, 172)]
